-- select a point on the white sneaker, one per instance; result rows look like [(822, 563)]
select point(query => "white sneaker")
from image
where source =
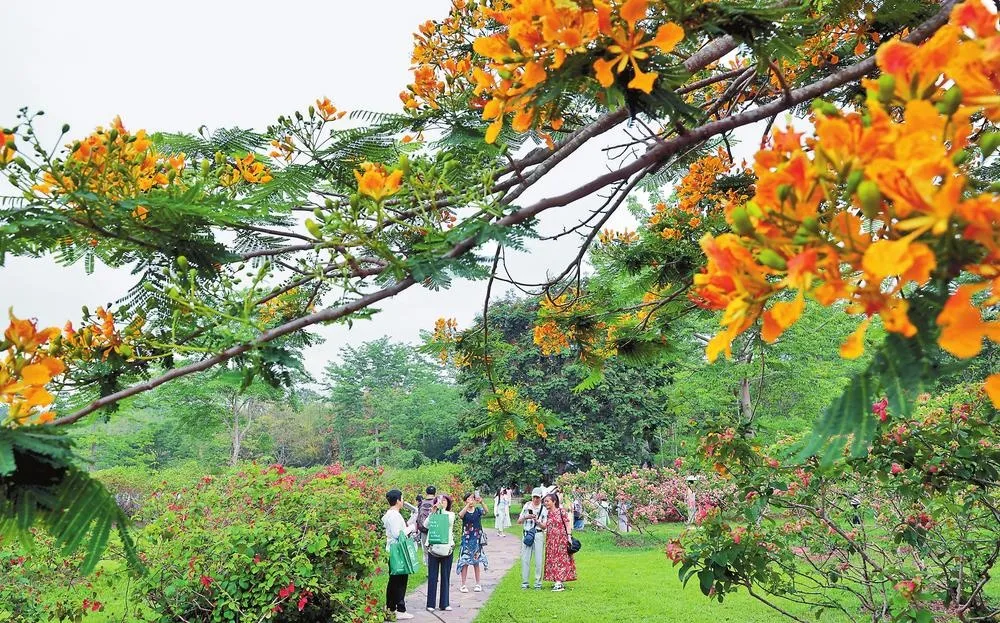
[(429, 609), (478, 588), (403, 616), (558, 587), (464, 589), (447, 608)]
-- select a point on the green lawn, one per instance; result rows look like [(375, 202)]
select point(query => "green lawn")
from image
[(618, 584)]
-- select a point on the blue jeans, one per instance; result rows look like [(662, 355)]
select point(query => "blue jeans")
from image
[(438, 567)]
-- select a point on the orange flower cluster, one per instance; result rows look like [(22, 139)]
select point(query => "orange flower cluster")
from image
[(25, 369), (440, 64), (876, 201), (327, 111), (375, 182), (520, 411), (445, 333), (610, 236), (536, 37), (113, 163), (550, 338), (7, 147), (698, 184), (101, 338), (246, 169)]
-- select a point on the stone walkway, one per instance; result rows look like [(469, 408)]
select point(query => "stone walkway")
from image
[(503, 552)]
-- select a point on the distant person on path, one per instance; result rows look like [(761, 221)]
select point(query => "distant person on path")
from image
[(395, 528), (501, 508), (440, 558), (559, 565), (577, 511), (472, 554), (691, 499), (424, 506), (533, 518)]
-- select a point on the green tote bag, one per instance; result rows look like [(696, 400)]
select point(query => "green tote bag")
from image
[(438, 529), (403, 557)]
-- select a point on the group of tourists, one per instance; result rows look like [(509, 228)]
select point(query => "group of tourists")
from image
[(547, 536)]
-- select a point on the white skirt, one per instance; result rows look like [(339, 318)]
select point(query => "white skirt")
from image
[(503, 517)]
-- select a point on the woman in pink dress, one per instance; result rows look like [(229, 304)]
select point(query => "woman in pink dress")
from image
[(559, 565)]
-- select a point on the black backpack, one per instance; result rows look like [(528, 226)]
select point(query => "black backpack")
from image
[(426, 506)]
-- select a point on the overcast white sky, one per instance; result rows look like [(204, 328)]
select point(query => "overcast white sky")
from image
[(177, 66)]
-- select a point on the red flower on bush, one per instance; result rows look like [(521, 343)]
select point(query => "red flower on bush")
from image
[(284, 593), (304, 600), (896, 469), (206, 581)]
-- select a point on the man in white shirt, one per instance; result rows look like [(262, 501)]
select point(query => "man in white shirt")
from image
[(533, 518)]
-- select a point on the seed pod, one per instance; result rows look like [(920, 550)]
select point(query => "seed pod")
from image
[(870, 197), (772, 259)]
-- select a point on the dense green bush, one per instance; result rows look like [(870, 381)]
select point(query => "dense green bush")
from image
[(262, 543)]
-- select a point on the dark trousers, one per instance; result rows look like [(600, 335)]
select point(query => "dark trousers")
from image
[(395, 593), (439, 567)]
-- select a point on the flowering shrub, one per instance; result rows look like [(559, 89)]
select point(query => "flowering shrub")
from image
[(909, 529), (263, 543), (646, 496)]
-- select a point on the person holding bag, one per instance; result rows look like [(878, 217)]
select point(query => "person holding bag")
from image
[(559, 564), (440, 525), (402, 556)]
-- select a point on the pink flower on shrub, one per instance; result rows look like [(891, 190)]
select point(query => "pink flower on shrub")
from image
[(286, 592), (206, 581), (678, 463), (896, 469), (880, 409)]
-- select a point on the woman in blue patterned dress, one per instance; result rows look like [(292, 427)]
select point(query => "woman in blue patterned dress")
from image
[(472, 554)]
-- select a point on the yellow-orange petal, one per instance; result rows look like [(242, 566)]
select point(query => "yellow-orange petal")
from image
[(602, 70), (854, 346), (887, 257), (962, 326), (896, 57), (633, 11), (534, 74), (494, 130), (643, 81), (35, 374), (993, 389), (668, 36), (494, 47)]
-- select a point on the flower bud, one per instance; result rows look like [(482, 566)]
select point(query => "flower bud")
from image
[(870, 197), (989, 143), (65, 128), (182, 262), (314, 228), (853, 180), (741, 222), (772, 259), (886, 88), (951, 101)]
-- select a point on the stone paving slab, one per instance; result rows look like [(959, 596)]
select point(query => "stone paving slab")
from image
[(504, 553)]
